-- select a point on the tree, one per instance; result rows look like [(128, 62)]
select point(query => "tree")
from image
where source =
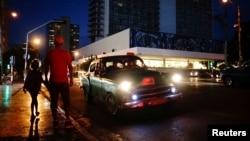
[(18, 52), (245, 40)]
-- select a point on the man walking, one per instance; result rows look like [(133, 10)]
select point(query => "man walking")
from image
[(59, 63)]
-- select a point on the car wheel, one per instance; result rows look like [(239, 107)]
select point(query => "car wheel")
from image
[(111, 104), (228, 81)]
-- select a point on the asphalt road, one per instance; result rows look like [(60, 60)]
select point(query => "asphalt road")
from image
[(204, 103)]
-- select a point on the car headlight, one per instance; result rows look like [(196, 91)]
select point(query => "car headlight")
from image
[(134, 97), (125, 86), (176, 78), (196, 73), (173, 90)]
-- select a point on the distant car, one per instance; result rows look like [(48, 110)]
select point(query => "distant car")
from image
[(193, 73), (233, 76), (124, 82)]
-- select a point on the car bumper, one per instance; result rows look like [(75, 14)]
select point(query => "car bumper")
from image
[(152, 101)]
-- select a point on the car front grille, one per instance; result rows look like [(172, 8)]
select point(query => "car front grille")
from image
[(152, 92)]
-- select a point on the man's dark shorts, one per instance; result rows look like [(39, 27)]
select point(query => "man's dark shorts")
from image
[(63, 89)]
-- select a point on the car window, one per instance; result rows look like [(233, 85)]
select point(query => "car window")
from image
[(139, 63), (92, 67), (123, 63), (113, 65)]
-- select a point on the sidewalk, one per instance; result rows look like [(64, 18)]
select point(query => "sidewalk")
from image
[(16, 124)]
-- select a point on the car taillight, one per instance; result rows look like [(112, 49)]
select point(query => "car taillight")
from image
[(148, 81)]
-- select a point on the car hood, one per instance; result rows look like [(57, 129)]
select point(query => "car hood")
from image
[(231, 70), (139, 77)]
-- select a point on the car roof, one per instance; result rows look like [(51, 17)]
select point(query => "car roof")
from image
[(119, 56)]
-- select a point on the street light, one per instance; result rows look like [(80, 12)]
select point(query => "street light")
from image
[(37, 41), (14, 14), (27, 40), (76, 54)]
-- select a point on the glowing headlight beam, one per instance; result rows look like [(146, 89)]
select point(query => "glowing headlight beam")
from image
[(173, 90), (134, 97), (125, 85), (176, 78)]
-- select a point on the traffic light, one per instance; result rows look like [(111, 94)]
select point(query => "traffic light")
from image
[(12, 59), (211, 64)]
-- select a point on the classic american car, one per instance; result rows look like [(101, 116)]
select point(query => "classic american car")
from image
[(124, 82)]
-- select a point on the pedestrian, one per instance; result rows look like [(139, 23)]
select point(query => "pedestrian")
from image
[(32, 84), (59, 63)]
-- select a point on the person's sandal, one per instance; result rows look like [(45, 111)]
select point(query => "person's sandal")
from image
[(68, 124), (55, 124)]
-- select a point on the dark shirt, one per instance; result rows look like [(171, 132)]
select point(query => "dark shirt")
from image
[(33, 81)]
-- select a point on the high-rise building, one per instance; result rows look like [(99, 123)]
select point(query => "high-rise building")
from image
[(194, 18), (4, 25), (107, 17), (164, 33), (181, 17), (4, 33), (63, 27)]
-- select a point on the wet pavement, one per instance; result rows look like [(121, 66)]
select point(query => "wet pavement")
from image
[(16, 123)]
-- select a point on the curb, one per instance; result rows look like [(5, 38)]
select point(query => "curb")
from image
[(86, 134)]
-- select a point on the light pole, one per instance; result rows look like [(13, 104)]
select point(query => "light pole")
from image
[(27, 40), (239, 33), (225, 30)]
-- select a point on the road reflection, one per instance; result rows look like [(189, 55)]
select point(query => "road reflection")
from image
[(33, 134)]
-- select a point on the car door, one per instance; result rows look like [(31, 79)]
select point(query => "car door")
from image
[(95, 80)]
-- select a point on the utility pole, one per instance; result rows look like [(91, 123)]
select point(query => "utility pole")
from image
[(225, 30), (239, 34)]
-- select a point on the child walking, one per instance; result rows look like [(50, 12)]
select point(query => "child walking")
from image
[(32, 84)]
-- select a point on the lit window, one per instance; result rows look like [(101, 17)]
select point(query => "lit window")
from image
[(120, 4)]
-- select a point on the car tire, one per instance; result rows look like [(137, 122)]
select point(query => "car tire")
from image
[(228, 81), (111, 104)]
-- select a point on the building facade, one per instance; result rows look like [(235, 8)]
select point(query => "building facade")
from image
[(164, 33), (4, 32), (107, 17), (182, 17), (70, 33), (175, 52), (194, 18)]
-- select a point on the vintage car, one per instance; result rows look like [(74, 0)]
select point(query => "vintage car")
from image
[(236, 76), (124, 82)]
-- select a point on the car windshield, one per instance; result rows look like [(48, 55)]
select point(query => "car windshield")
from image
[(121, 63)]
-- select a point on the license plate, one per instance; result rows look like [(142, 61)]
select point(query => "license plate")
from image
[(157, 101)]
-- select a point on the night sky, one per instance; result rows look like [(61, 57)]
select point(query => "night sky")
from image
[(33, 13), (218, 8)]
